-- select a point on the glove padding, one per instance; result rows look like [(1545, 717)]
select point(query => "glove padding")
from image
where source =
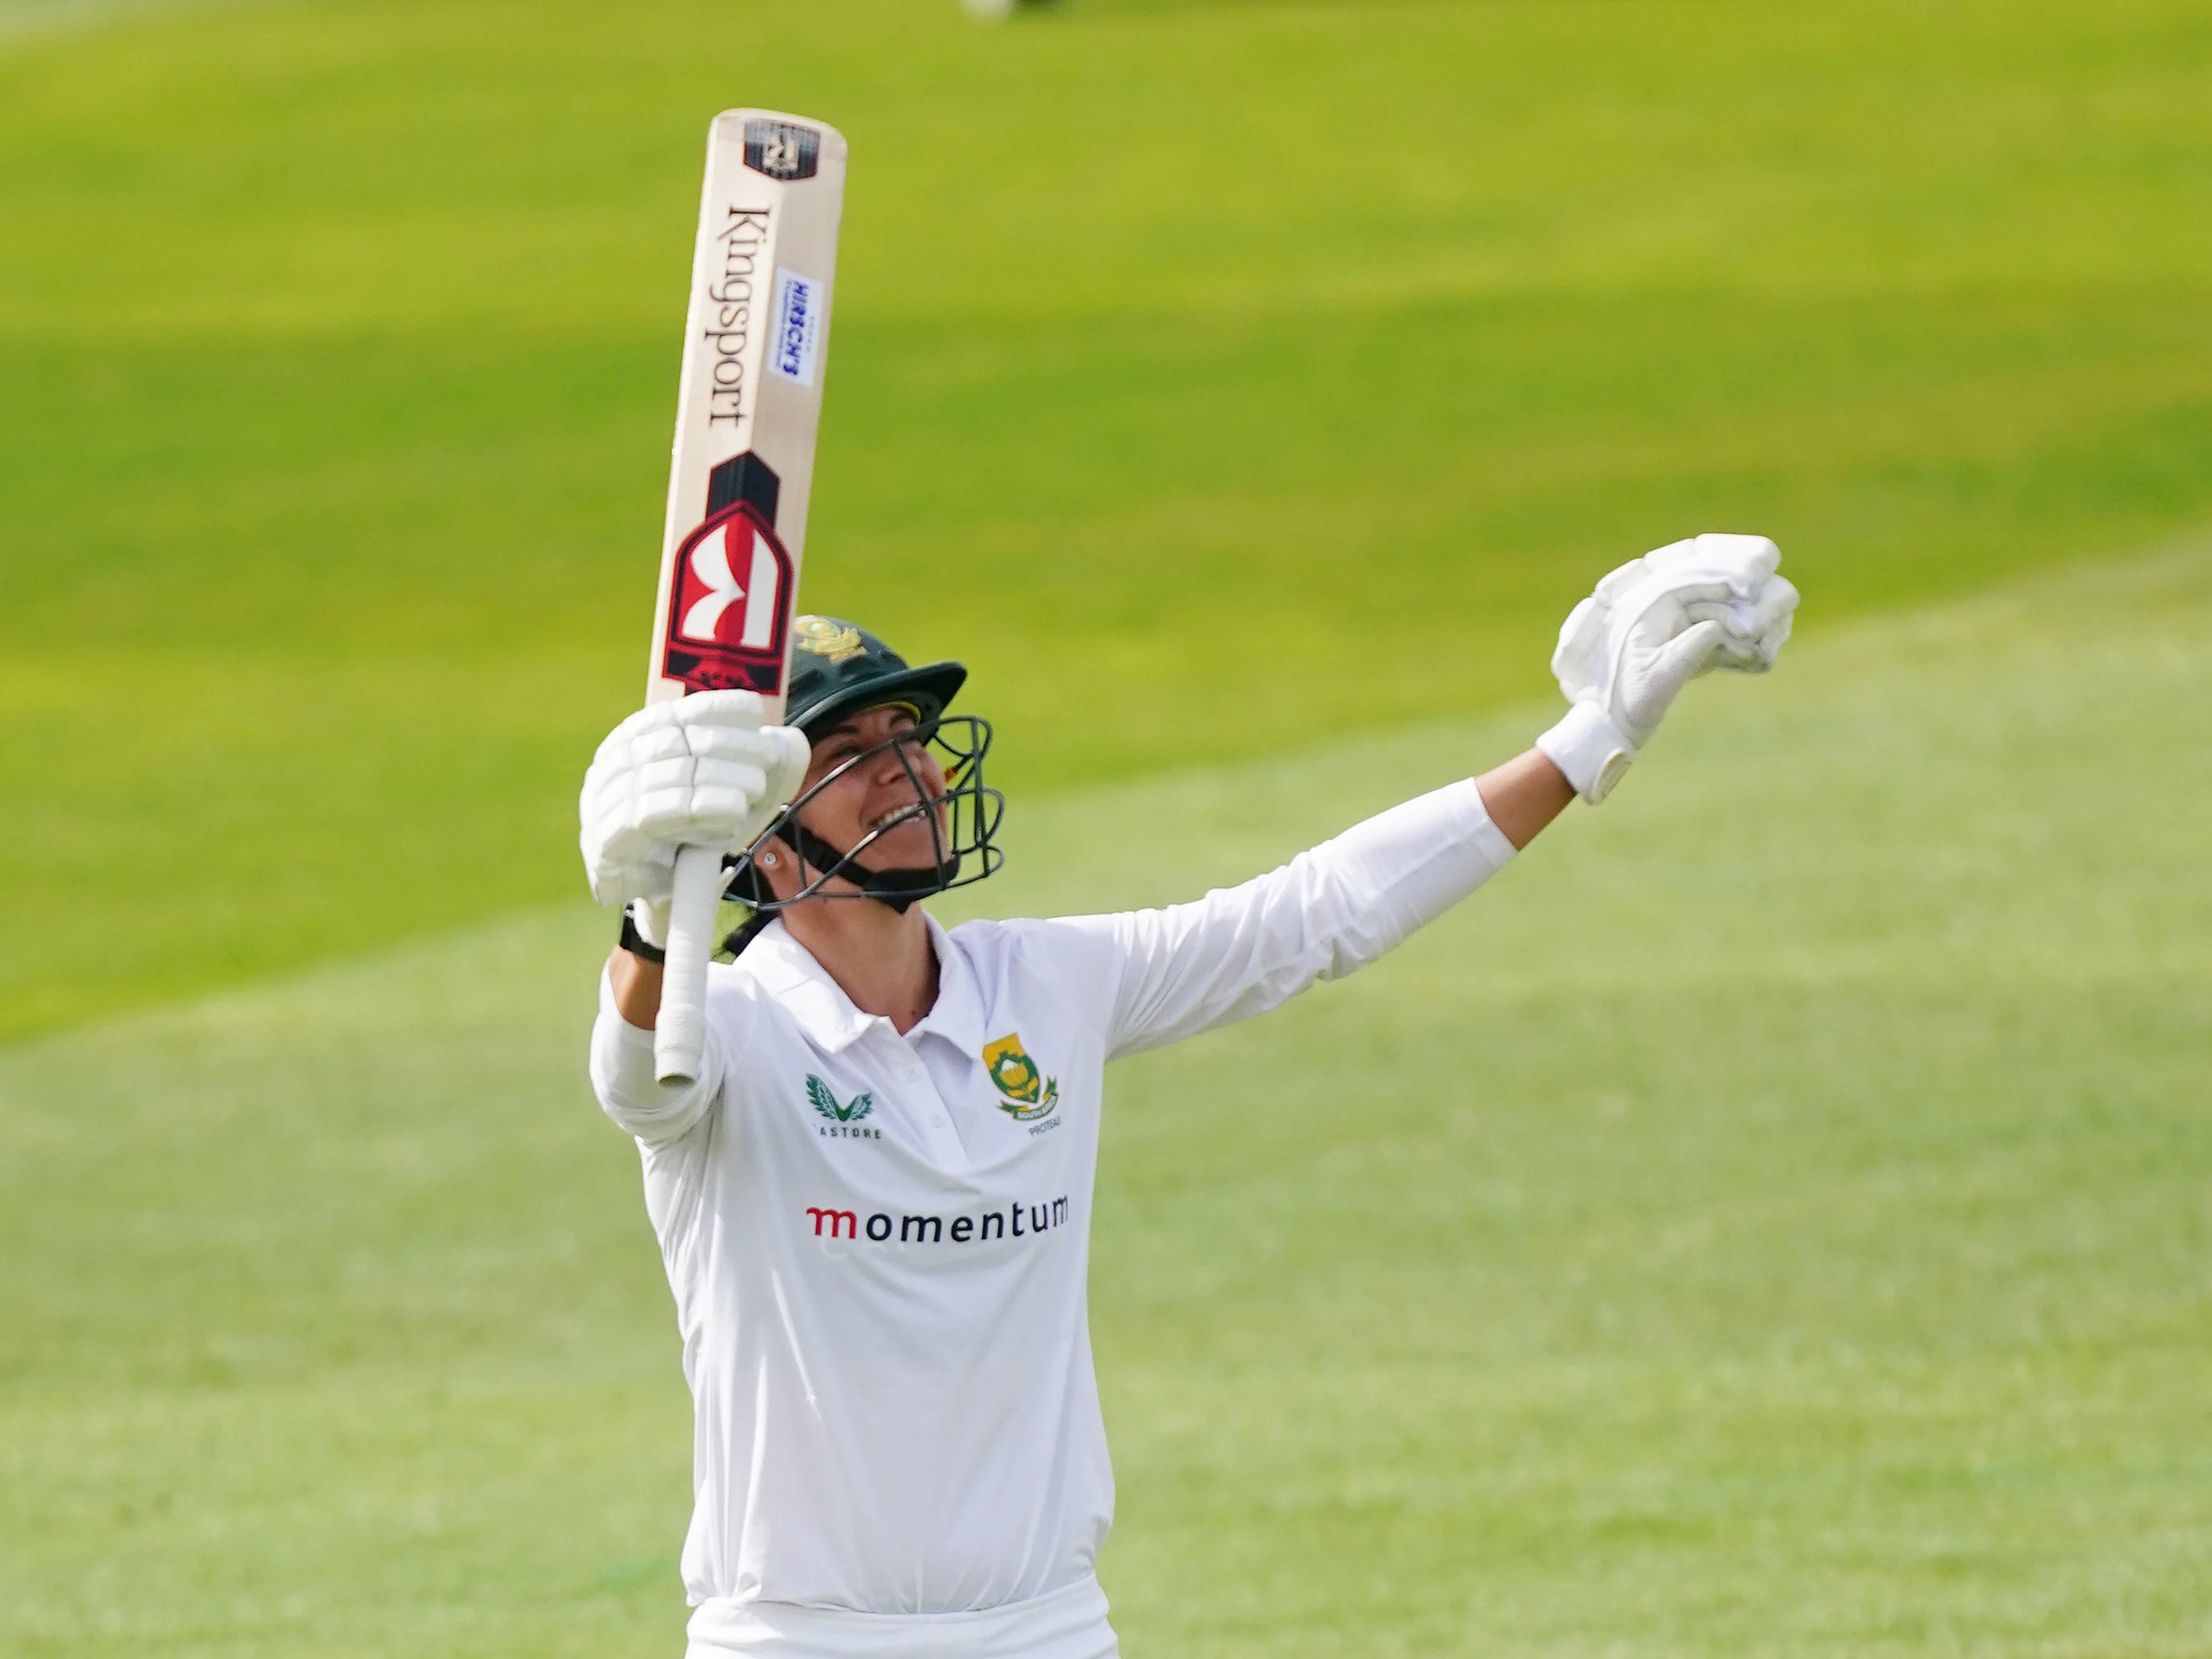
[(1658, 623), (696, 771)]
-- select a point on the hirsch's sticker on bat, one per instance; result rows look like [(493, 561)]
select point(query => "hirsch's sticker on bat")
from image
[(728, 609), (798, 329)]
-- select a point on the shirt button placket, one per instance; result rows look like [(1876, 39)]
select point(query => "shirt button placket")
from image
[(916, 1075)]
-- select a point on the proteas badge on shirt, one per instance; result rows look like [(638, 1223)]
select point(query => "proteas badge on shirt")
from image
[(1028, 1094)]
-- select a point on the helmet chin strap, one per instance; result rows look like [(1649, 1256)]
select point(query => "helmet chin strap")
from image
[(896, 889)]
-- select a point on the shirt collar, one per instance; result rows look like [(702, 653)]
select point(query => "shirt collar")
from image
[(787, 971), (958, 1014)]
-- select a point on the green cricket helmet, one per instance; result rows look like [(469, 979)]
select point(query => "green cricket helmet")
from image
[(838, 669)]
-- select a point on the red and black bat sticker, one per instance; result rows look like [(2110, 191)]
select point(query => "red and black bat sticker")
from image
[(729, 606)]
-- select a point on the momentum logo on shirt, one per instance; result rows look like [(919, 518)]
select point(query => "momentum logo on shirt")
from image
[(880, 1228)]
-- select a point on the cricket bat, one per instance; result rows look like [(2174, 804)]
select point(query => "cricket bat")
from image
[(756, 346)]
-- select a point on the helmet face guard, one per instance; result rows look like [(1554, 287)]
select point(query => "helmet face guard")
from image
[(963, 817)]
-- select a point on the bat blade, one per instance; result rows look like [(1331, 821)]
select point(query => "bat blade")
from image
[(749, 405)]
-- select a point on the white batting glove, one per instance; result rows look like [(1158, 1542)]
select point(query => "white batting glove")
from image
[(1655, 625), (695, 771)]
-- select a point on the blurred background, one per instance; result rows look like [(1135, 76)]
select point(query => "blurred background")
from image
[(1773, 1218)]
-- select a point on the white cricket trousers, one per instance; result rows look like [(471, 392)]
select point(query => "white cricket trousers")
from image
[(1066, 1624)]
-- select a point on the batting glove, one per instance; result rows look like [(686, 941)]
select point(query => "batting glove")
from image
[(696, 771), (1626, 653)]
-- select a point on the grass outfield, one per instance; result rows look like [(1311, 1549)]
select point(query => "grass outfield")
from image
[(1769, 1221), (1243, 374)]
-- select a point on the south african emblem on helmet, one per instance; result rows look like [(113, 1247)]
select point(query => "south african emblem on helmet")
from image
[(1025, 1093), (825, 638)]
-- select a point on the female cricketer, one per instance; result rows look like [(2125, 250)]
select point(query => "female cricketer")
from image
[(874, 1202)]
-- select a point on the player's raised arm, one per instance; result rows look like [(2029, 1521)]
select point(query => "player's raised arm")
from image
[(699, 771), (1712, 601)]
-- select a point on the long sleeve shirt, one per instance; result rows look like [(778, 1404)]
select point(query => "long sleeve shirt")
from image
[(879, 1243)]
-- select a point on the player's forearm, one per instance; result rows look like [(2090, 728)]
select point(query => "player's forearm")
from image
[(1524, 795), (635, 983), (1242, 950), (623, 1068)]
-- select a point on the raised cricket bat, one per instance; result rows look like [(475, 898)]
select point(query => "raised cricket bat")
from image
[(756, 346)]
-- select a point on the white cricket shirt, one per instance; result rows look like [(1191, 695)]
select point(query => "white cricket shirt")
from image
[(877, 1243)]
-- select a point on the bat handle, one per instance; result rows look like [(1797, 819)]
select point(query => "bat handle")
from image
[(679, 1031)]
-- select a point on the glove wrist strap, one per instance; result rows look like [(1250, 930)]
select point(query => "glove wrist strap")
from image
[(634, 938), (1591, 752)]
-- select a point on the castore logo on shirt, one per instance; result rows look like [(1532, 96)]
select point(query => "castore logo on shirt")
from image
[(845, 1118), (1028, 1094)]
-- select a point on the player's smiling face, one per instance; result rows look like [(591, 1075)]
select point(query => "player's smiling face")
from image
[(878, 790)]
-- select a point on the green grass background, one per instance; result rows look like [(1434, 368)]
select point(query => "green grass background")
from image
[(1770, 1220), (1218, 377)]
